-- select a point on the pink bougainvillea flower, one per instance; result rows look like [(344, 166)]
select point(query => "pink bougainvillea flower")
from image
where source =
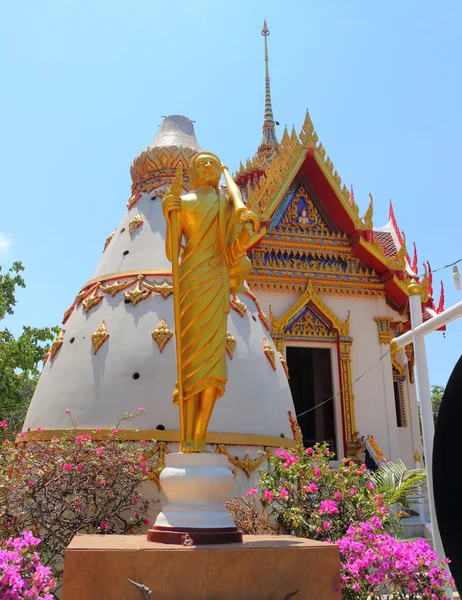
[(22, 435), (68, 410), (283, 493), (102, 482), (141, 409), (252, 492), (370, 485), (142, 441), (114, 432), (6, 442), (4, 424), (317, 472), (268, 496), (104, 526), (309, 451), (30, 483), (39, 430), (326, 525), (147, 521), (68, 467), (312, 488)]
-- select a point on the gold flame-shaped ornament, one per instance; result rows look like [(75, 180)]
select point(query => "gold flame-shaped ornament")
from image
[(238, 305), (230, 345), (99, 337), (269, 352), (56, 345), (161, 334)]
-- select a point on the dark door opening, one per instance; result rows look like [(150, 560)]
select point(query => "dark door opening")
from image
[(310, 381)]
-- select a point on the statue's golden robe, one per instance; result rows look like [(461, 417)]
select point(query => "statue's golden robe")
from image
[(212, 248)]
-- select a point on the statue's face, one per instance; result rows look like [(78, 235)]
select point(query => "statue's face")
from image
[(207, 171)]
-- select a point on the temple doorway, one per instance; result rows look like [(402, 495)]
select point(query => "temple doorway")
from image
[(310, 382)]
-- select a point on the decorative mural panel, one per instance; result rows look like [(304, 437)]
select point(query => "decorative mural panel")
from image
[(300, 215), (308, 323)]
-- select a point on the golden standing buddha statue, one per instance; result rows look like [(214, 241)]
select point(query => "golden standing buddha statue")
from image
[(217, 231)]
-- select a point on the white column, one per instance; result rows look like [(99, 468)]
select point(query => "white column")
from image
[(424, 396)]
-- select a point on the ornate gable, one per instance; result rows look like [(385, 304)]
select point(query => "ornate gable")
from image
[(299, 214)]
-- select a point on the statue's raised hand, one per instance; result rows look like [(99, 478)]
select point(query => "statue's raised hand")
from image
[(170, 202)]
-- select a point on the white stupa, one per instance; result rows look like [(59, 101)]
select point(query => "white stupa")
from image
[(116, 351)]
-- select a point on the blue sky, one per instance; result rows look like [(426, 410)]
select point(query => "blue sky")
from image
[(84, 85)]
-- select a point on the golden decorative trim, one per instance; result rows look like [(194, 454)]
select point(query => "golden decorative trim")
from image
[(108, 240), (161, 334), (417, 457), (133, 200), (164, 289), (384, 329), (99, 337), (136, 295), (83, 294), (238, 305), (116, 287), (279, 326), (135, 223), (165, 435), (282, 358), (376, 249), (246, 464), (158, 161), (269, 352), (340, 334), (367, 224), (68, 313), (402, 398), (123, 274), (345, 289), (230, 345), (160, 449), (399, 369), (296, 430), (409, 349), (261, 315), (398, 262), (56, 345), (92, 300)]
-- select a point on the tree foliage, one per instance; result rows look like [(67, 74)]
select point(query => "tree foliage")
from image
[(20, 357), (437, 392)]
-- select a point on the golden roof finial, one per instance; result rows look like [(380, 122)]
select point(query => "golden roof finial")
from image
[(269, 133)]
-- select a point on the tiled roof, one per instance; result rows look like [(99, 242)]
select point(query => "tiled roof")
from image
[(386, 240)]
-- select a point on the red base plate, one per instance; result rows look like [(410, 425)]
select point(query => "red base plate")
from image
[(188, 536)]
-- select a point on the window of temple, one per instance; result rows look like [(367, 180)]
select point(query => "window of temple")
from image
[(311, 385), (400, 401)]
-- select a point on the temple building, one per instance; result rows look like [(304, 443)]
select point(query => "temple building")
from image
[(308, 340), (335, 288)]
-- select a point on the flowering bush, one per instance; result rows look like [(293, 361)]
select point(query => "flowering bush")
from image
[(75, 484), (21, 573), (374, 565), (306, 497)]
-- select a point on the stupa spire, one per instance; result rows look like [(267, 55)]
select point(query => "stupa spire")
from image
[(269, 132)]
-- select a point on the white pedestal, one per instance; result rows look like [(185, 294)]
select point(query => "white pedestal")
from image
[(196, 486)]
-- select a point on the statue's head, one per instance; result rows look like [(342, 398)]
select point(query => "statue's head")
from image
[(205, 169)]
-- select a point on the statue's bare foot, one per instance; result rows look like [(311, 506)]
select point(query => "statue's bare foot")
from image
[(188, 446), (199, 446)]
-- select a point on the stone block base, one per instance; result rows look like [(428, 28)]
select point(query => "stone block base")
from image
[(260, 568)]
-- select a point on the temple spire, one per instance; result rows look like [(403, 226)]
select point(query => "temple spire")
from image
[(269, 133)]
